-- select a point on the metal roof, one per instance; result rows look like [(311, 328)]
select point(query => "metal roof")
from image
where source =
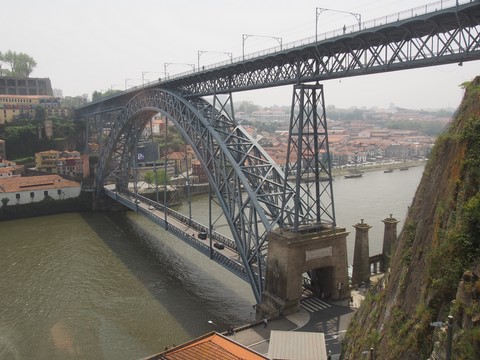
[(297, 345)]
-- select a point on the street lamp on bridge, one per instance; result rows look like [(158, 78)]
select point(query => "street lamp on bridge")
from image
[(201, 52), (246, 36), (318, 11), (165, 65), (151, 72), (127, 80)]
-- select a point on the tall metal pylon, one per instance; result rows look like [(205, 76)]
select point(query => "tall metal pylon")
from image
[(308, 159)]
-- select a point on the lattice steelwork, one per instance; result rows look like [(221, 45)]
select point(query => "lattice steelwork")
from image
[(248, 185), (308, 159), (442, 37)]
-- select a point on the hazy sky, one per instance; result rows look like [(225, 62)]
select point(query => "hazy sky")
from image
[(89, 45)]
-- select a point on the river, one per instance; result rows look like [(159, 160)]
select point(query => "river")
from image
[(117, 286)]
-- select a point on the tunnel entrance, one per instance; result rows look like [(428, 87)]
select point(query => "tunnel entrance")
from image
[(318, 282)]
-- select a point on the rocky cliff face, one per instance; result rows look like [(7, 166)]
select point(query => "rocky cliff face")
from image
[(440, 242)]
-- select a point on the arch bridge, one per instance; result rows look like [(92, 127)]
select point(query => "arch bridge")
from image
[(252, 191)]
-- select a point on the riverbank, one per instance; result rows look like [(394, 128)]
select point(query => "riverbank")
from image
[(395, 166)]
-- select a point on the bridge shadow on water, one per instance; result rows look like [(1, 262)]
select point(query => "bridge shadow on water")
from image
[(187, 284)]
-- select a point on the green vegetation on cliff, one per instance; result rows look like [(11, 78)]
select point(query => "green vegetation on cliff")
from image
[(439, 243)]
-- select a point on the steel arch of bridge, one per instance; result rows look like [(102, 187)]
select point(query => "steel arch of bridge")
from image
[(249, 187)]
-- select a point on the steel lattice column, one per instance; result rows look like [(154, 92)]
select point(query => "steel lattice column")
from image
[(308, 159)]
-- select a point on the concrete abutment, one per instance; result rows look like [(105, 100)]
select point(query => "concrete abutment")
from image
[(323, 251)]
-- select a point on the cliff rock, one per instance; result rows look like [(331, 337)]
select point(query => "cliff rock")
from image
[(434, 267)]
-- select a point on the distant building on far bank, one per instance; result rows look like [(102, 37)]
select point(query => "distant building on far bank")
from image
[(10, 169), (20, 96), (69, 163), (30, 189), (10, 85)]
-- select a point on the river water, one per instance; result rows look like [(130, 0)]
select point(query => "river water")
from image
[(116, 286)]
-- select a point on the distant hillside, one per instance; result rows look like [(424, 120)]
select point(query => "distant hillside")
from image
[(434, 269)]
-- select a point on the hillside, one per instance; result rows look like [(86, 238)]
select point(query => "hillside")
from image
[(437, 248)]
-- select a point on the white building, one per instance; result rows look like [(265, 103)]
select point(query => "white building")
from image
[(26, 190)]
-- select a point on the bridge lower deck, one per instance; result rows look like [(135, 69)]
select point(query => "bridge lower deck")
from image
[(184, 228)]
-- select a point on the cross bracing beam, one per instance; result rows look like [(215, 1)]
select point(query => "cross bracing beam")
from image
[(448, 36), (248, 185), (444, 36)]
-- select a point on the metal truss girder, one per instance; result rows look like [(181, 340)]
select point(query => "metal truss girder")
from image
[(308, 141), (441, 37), (436, 38), (248, 185)]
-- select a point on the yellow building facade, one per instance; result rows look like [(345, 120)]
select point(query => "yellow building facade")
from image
[(13, 106)]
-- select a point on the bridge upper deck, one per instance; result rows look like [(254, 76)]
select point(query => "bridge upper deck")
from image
[(426, 36)]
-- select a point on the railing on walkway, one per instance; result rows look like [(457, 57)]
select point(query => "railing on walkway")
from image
[(383, 20), (133, 201), (377, 264)]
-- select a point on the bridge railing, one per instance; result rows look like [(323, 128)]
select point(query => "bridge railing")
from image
[(182, 218), (383, 20), (125, 196)]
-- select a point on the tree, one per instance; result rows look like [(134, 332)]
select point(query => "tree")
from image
[(21, 64), (149, 177), (97, 95), (5, 201)]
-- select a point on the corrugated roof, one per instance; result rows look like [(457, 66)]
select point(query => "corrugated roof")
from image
[(297, 345)]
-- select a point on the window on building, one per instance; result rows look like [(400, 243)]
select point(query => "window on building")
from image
[(32, 194), (59, 192), (17, 196), (45, 193)]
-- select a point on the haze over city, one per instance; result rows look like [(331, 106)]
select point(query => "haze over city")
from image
[(96, 46)]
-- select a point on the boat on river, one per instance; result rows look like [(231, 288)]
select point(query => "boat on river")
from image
[(354, 174)]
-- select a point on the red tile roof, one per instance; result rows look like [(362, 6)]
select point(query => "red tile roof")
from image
[(208, 347), (15, 184)]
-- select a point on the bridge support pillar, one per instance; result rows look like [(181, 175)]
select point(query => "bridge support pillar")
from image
[(291, 254), (361, 263), (389, 238)]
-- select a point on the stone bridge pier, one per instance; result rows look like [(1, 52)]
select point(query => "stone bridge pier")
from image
[(321, 252)]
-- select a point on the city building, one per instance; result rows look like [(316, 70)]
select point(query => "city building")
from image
[(25, 86), (30, 189), (180, 161), (73, 164), (10, 169), (14, 106), (46, 161), (207, 347), (197, 171), (69, 163)]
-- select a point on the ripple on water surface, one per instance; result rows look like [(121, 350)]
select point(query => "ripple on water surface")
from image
[(107, 286)]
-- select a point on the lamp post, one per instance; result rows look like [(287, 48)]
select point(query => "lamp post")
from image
[(449, 324), (127, 80), (165, 65), (201, 52), (151, 72), (246, 36), (318, 11), (448, 354), (115, 85)]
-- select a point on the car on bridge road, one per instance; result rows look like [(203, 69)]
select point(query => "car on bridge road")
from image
[(219, 246), (202, 235)]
